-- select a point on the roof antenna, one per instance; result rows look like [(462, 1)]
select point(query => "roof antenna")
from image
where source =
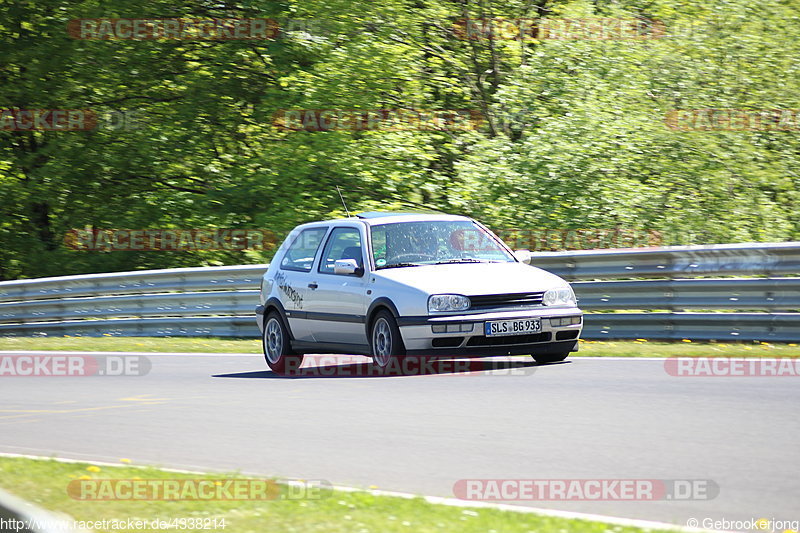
[(344, 204)]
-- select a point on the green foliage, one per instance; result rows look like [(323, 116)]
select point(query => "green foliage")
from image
[(575, 133)]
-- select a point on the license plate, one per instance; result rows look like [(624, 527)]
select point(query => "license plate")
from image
[(497, 328)]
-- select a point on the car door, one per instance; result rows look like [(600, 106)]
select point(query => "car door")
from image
[(337, 305), (294, 276)]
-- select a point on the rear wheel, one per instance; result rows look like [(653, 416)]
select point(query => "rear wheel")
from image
[(385, 340), (550, 358), (277, 350)]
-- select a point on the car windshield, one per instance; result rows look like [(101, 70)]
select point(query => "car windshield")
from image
[(434, 242)]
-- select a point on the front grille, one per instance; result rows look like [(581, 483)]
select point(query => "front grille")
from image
[(511, 339), (517, 299)]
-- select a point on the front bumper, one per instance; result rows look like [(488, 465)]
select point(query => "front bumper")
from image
[(419, 338)]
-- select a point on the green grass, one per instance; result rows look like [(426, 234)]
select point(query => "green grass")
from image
[(218, 345), (44, 483)]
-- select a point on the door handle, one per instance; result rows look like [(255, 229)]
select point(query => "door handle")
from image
[(313, 285)]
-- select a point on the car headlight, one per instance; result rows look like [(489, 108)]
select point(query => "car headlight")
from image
[(559, 297), (448, 302)]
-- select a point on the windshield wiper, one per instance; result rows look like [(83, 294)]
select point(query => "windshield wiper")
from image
[(463, 260), (398, 265)]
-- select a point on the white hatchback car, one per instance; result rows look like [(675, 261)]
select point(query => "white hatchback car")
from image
[(389, 285)]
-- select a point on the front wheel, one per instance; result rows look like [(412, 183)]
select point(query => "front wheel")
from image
[(550, 358), (385, 340), (277, 350)]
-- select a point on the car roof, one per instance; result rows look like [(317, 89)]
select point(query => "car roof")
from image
[(377, 218), (379, 214), (382, 217)]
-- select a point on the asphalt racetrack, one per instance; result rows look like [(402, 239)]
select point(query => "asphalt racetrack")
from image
[(587, 418)]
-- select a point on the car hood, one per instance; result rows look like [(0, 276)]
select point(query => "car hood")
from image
[(474, 278)]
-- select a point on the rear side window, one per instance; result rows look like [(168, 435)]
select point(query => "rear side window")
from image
[(300, 254)]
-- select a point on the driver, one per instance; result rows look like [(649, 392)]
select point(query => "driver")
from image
[(425, 243)]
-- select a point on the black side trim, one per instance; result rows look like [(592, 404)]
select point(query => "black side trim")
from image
[(331, 317), (260, 310), (419, 321), (330, 347), (428, 319)]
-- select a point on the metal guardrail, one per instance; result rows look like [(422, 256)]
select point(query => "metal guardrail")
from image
[(778, 327), (180, 304), (217, 326), (138, 282), (750, 259), (219, 301), (769, 294)]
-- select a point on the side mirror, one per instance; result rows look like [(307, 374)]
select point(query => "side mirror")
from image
[(347, 267), (523, 256)]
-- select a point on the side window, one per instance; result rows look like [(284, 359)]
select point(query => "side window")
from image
[(300, 254), (344, 243)]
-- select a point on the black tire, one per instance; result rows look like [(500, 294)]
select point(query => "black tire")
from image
[(385, 341), (550, 358), (275, 342)]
